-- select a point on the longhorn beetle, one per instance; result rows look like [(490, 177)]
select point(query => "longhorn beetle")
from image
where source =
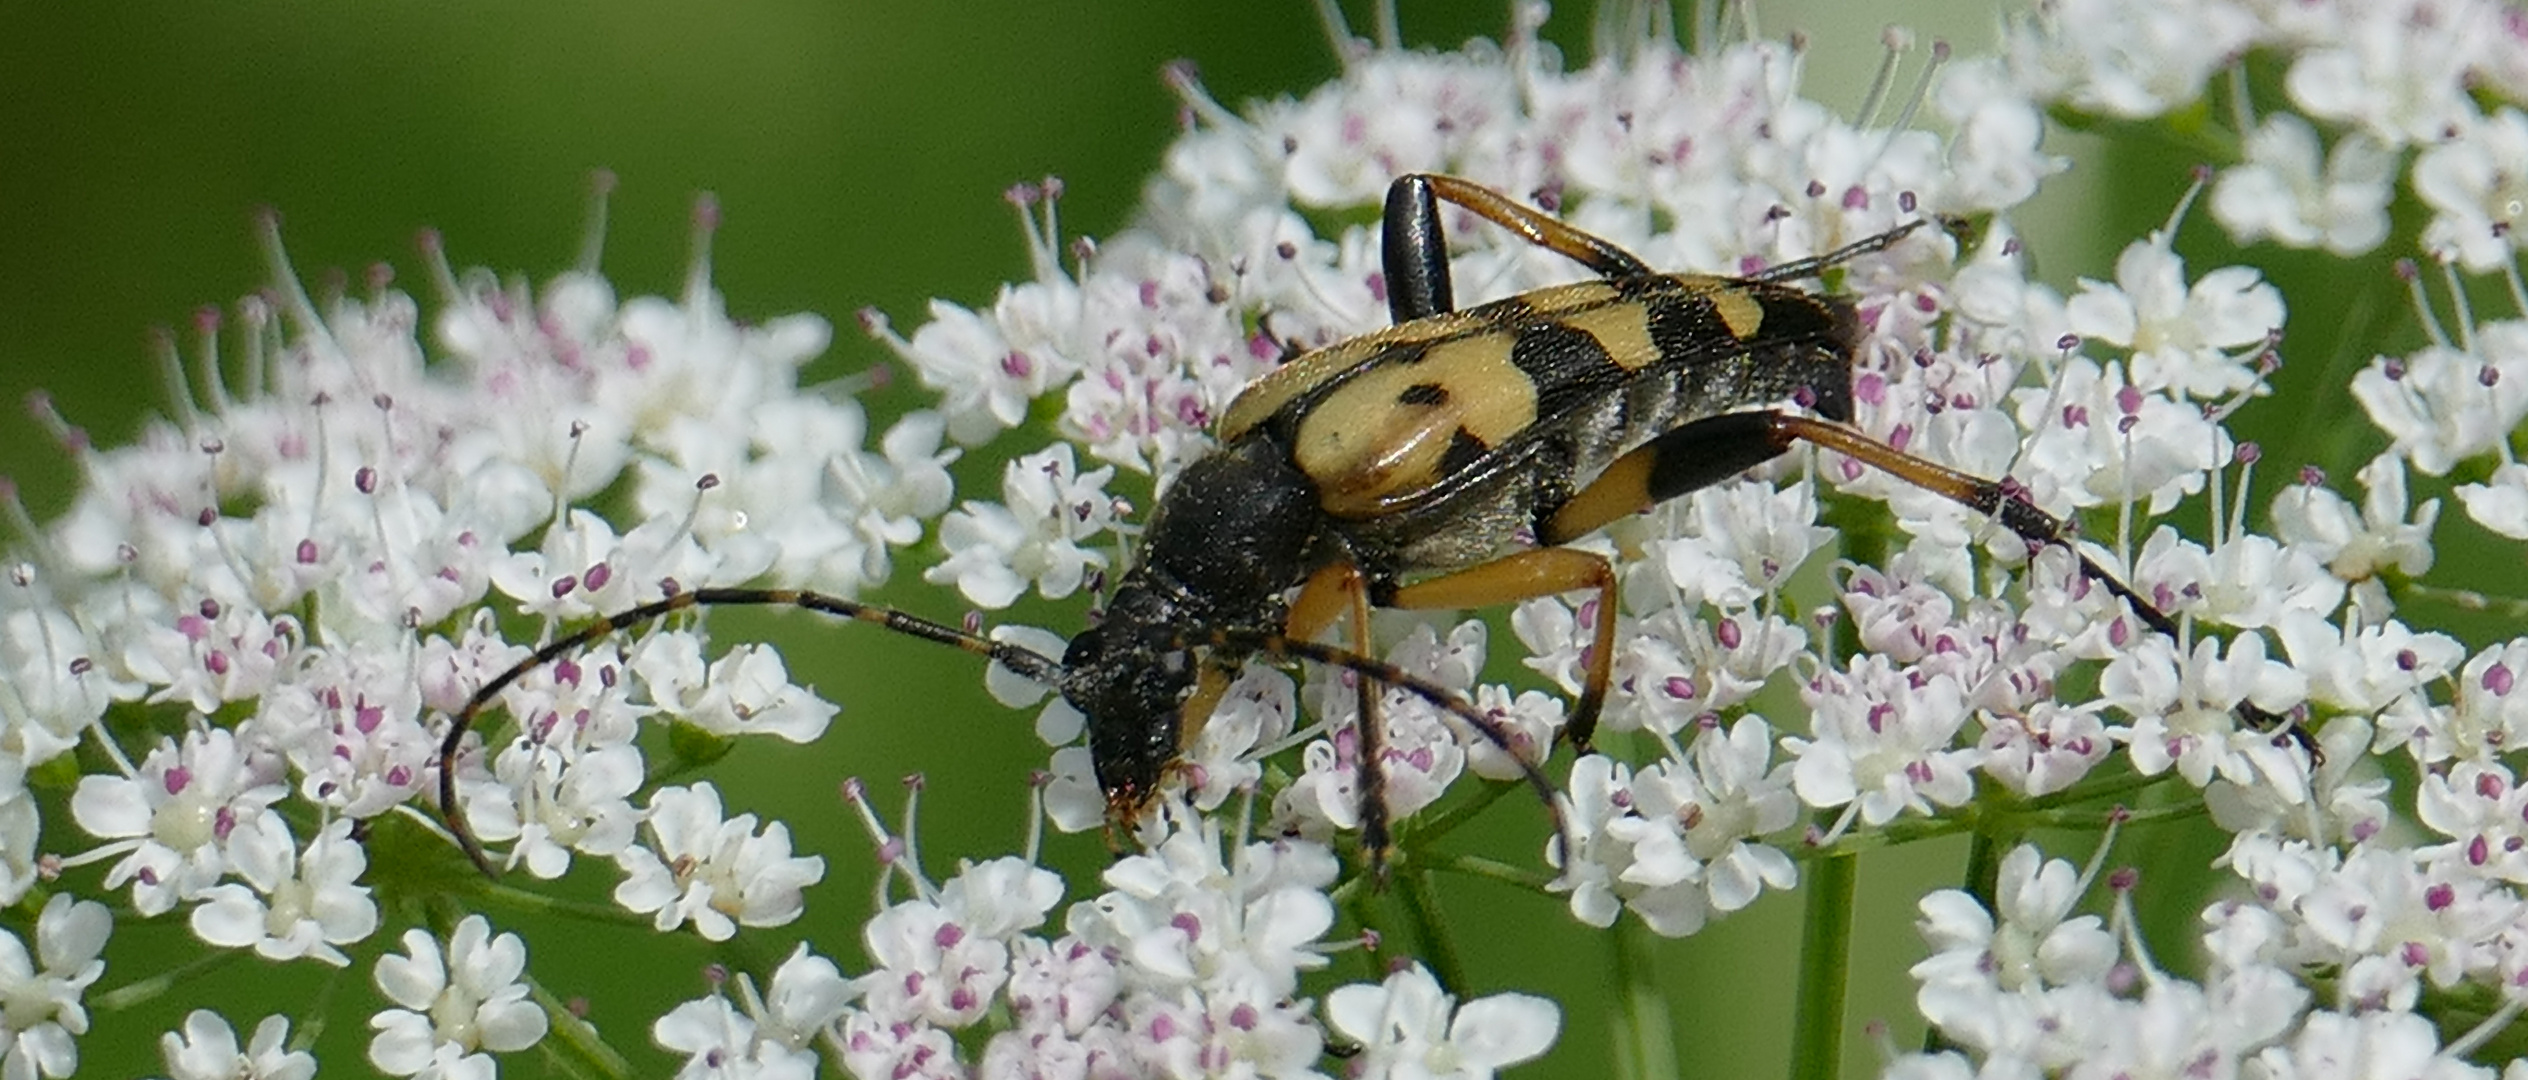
[(1439, 463)]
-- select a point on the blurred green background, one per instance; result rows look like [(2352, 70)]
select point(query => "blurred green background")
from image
[(859, 151)]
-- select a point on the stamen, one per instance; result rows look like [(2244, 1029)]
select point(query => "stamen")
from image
[(1338, 32), (2458, 305), (2467, 1044), (13, 509), (592, 241), (2247, 454), (1892, 43), (1182, 78), (706, 222), (2128, 927), (913, 785), (206, 325), (1922, 90), (2053, 397), (2242, 108), (285, 282), (162, 348), (2176, 217), (2412, 276), (434, 254), (255, 319), (41, 408), (1034, 846)]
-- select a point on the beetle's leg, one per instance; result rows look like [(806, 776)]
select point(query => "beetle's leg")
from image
[(1415, 251), (1524, 575), (1374, 670), (1328, 593), (1706, 451)]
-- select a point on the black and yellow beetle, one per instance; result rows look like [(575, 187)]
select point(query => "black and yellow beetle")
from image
[(1439, 463)]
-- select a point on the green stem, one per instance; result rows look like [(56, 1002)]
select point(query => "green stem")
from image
[(2095, 820), (1983, 869), (513, 898), (1440, 825), (575, 1044), (144, 990), (2105, 787), (1492, 869), (1901, 831), (1825, 950), (2464, 599), (1645, 1032), (1430, 929)]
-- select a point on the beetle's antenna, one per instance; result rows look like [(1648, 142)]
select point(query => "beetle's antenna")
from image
[(1817, 264), (1024, 661)]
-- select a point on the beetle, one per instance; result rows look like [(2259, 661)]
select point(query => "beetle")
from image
[(1442, 462)]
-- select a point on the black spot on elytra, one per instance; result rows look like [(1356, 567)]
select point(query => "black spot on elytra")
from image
[(1464, 449), (1423, 394)]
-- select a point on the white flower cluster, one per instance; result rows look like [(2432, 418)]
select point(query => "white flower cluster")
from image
[(297, 574), (1189, 965), (2392, 86), (2029, 988)]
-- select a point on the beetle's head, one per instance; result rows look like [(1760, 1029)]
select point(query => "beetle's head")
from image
[(1131, 676)]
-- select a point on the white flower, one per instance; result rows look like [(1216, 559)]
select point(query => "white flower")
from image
[(2281, 192), (2391, 70), (716, 873), (1883, 741), (2047, 750), (2125, 59), (43, 682), (745, 692), (2357, 545), (807, 996), (2362, 1046), (2501, 502), (20, 825), (171, 823), (2443, 405), (2183, 710), (2036, 944), (285, 914), (2111, 442), (720, 1043), (1406, 1029), (45, 1015), (2180, 335), (452, 1010), (207, 1050), (1186, 919), (995, 552), (2476, 182), (1001, 897)]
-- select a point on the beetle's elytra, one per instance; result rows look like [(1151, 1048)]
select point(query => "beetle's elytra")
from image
[(1438, 463)]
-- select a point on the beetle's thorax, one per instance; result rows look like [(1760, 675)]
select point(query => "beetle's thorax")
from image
[(1228, 540)]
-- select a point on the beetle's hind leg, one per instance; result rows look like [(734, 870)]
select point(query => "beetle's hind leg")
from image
[(1707, 451), (1415, 250)]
